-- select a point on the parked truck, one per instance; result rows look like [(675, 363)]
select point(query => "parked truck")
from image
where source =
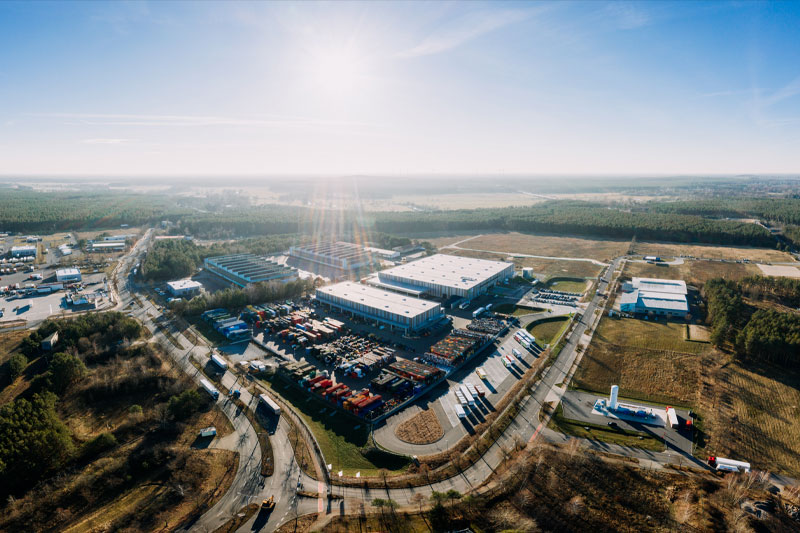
[(219, 362), (728, 465), (209, 388), (672, 418), (269, 404), (478, 312)]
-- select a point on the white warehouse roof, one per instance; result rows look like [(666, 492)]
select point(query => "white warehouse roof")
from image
[(673, 286), (379, 299), (64, 272), (448, 270), (184, 284)]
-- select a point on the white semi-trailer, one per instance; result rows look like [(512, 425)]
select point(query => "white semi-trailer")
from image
[(460, 411), (209, 388), (728, 465), (219, 361), (270, 404), (672, 418), (465, 392)]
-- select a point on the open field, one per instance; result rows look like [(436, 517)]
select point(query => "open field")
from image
[(516, 310), (658, 376), (567, 285), (542, 268), (780, 270), (548, 330), (603, 433), (757, 419), (693, 272), (699, 333), (654, 335), (341, 439), (9, 342), (422, 428), (545, 245), (735, 253)]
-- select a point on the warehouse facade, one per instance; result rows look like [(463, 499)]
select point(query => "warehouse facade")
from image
[(390, 308), (246, 269), (448, 275), (184, 287), (68, 274), (23, 251), (660, 297)]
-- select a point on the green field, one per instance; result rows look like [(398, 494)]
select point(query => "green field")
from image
[(516, 310), (546, 331), (603, 433), (341, 443), (576, 285)]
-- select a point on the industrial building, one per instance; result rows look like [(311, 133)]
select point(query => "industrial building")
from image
[(446, 275), (661, 297), (68, 275), (113, 246), (65, 249), (390, 308), (246, 269), (23, 251), (184, 287), (344, 258)]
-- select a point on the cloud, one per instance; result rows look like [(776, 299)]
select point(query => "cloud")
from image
[(464, 29), (123, 119), (789, 90), (105, 141), (627, 15)]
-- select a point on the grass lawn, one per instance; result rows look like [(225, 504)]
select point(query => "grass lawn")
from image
[(549, 330), (603, 433), (567, 285), (516, 310), (341, 442), (653, 335)]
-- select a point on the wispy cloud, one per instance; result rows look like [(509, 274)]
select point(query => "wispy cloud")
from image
[(105, 141), (122, 119), (789, 90), (465, 29), (628, 16)]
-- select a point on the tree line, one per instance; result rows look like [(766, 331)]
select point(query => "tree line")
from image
[(759, 334), (237, 298)]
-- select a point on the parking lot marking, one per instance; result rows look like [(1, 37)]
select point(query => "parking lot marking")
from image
[(449, 402)]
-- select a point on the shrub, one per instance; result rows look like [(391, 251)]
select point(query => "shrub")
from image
[(183, 405), (16, 365)]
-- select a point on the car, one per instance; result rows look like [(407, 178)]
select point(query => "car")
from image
[(612, 425)]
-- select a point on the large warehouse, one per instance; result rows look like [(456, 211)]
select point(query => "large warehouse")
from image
[(390, 308), (333, 259), (245, 269), (662, 297), (23, 251), (447, 275)]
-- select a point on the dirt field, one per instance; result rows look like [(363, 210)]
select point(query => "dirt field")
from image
[(546, 245), (422, 428), (659, 376), (712, 252), (9, 342), (693, 272), (699, 333), (757, 414), (780, 270)]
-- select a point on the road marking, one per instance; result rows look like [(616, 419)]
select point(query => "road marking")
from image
[(320, 488), (536, 433)]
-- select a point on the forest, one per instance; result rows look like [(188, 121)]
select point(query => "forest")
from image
[(95, 420), (177, 258), (28, 211), (581, 218), (766, 335)]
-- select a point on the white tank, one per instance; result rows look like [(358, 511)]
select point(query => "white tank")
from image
[(612, 401)]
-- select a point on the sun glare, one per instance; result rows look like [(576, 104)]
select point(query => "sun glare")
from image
[(338, 70)]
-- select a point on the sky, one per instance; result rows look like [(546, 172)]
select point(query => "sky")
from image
[(282, 88)]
